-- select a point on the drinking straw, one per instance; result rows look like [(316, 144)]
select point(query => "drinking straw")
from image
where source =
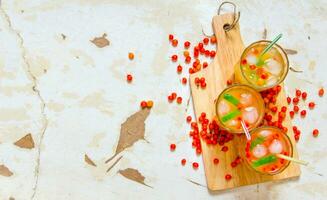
[(301, 162), (260, 62), (271, 45), (246, 131)]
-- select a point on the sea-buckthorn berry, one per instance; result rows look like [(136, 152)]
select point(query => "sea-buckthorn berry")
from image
[(149, 104), (304, 95), (170, 37), (312, 105), (288, 100), (253, 67), (129, 77), (291, 114), (179, 100), (179, 69), (188, 59), (315, 132), (131, 55), (191, 71), (186, 53), (295, 100), (207, 53), (188, 119), (184, 80), (172, 147), (200, 45), (224, 148), (229, 82), (215, 161), (233, 164), (197, 81), (203, 84), (174, 43), (187, 44), (321, 92), (303, 113), (213, 39), (170, 98), (212, 54), (243, 62), (284, 109), (274, 109), (298, 93), (296, 109), (203, 114), (195, 165), (174, 95), (183, 161), (297, 138), (206, 41), (174, 58), (228, 177), (143, 104), (205, 64), (196, 54)]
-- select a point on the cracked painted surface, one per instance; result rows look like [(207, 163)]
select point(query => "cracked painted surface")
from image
[(72, 97)]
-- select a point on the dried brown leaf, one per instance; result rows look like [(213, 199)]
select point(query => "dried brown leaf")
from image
[(264, 34), (4, 171), (26, 142), (290, 51), (131, 131), (101, 41), (88, 160), (134, 175)]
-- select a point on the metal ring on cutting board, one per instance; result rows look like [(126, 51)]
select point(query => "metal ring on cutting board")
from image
[(228, 27)]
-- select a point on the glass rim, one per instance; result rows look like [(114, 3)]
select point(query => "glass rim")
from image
[(261, 116), (279, 81), (291, 150)]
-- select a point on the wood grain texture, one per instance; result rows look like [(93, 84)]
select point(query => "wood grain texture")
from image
[(229, 49)]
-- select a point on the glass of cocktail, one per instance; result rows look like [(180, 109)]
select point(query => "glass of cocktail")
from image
[(239, 103), (261, 152), (262, 71)]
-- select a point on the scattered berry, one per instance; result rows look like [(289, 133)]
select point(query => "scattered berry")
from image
[(174, 43), (289, 100), (296, 109), (298, 93), (195, 165), (295, 100), (129, 77), (184, 80), (179, 69), (315, 132), (312, 105), (291, 114), (188, 119), (205, 64), (187, 44), (215, 161), (206, 41), (131, 55), (172, 147), (183, 161), (228, 177), (304, 95), (229, 82), (143, 104), (170, 37), (213, 39), (179, 100), (224, 148), (149, 104), (321, 92), (174, 58), (303, 113)]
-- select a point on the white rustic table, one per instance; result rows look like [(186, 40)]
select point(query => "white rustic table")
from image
[(72, 96)]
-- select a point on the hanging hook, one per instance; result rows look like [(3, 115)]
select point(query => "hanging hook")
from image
[(236, 18)]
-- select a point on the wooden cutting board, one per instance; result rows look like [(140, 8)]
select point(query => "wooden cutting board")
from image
[(229, 49)]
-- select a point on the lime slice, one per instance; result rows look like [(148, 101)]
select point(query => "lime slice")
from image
[(230, 98), (264, 161), (230, 115)]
